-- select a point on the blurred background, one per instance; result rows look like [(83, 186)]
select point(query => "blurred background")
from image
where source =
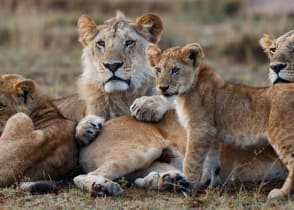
[(38, 38)]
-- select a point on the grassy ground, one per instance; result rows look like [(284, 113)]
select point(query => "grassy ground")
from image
[(229, 197)]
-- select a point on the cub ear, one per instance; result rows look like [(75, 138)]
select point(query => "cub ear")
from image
[(150, 26), (152, 54), (192, 53), (265, 41), (87, 29), (25, 89)]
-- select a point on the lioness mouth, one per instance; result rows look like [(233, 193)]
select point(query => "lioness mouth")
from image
[(119, 79), (170, 94), (280, 80)]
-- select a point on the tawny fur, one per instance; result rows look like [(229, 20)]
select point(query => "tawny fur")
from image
[(36, 141), (247, 164), (216, 111)]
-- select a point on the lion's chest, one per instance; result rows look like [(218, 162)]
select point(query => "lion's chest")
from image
[(182, 115)]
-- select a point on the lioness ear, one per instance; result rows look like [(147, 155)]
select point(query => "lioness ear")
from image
[(150, 26), (87, 29), (192, 53), (25, 89), (265, 41), (152, 54)]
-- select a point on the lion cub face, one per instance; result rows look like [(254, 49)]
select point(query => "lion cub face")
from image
[(16, 95), (281, 55), (113, 55), (176, 68)]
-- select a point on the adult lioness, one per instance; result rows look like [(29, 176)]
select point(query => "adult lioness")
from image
[(214, 111), (36, 141), (236, 165), (115, 72)]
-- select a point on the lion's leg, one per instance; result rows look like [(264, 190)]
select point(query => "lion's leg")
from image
[(197, 147), (164, 177), (280, 136), (284, 148), (99, 181), (211, 167)]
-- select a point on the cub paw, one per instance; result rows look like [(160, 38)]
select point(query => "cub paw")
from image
[(276, 194), (88, 129), (149, 108), (98, 186), (172, 181)]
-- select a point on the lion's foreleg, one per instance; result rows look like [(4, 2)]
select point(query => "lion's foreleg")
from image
[(199, 141)]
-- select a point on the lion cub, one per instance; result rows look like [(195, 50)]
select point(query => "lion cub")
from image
[(214, 111)]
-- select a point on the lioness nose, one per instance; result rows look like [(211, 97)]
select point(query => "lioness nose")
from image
[(163, 88), (277, 67), (113, 66)]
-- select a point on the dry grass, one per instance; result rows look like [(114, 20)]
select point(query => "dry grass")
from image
[(233, 197)]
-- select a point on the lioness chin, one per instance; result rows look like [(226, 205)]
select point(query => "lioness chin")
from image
[(214, 111)]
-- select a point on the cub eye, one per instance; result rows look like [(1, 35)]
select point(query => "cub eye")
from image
[(273, 50), (100, 43), (175, 70), (158, 70), (2, 107), (129, 42)]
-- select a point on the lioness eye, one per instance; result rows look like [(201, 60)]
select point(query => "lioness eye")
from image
[(273, 49), (129, 43), (100, 44), (2, 107), (158, 70), (175, 70)]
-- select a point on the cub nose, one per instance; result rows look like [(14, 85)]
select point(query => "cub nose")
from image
[(277, 67), (113, 67), (163, 88)]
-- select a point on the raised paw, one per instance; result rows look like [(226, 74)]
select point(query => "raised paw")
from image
[(98, 186), (88, 129), (149, 108), (172, 181), (276, 194)]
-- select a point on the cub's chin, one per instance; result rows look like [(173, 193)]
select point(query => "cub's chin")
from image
[(115, 86)]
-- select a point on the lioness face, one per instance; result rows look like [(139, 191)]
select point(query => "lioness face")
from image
[(281, 55), (16, 95), (114, 52), (175, 69)]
